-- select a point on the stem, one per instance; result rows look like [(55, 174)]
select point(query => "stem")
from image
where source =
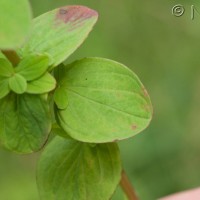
[(12, 56), (127, 187)]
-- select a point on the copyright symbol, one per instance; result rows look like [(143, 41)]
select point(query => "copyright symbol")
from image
[(178, 10)]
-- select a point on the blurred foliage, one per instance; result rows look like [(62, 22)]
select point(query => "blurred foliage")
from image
[(164, 51)]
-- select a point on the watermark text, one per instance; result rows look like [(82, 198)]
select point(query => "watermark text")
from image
[(179, 10)]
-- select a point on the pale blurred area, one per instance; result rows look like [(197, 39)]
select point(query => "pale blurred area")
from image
[(193, 194), (164, 51)]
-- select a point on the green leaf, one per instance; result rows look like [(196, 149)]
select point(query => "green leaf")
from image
[(60, 98), (106, 101), (4, 87), (15, 22), (17, 84), (6, 69), (24, 122), (42, 85), (33, 66), (72, 170), (60, 32)]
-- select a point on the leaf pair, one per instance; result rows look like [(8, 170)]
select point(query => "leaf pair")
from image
[(29, 76), (97, 101), (34, 69)]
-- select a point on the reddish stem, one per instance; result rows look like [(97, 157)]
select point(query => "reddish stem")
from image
[(12, 56), (127, 187)]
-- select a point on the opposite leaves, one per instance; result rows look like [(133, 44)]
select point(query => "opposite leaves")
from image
[(30, 76), (33, 66), (72, 170), (105, 101)]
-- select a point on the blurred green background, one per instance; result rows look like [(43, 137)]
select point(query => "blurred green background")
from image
[(164, 51)]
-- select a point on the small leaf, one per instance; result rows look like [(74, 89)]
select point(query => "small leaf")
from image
[(4, 87), (24, 122), (106, 101), (15, 22), (17, 84), (6, 69), (60, 94), (60, 98), (33, 66), (72, 170), (60, 32), (42, 85)]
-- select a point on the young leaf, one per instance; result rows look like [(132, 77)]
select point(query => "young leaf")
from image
[(33, 66), (60, 94), (17, 84), (60, 32), (6, 69), (60, 97), (15, 22), (24, 122), (106, 101), (4, 87), (72, 170), (42, 85)]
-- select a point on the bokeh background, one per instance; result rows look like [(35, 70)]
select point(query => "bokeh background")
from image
[(164, 51)]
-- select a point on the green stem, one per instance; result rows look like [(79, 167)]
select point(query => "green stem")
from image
[(12, 56), (127, 187)]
